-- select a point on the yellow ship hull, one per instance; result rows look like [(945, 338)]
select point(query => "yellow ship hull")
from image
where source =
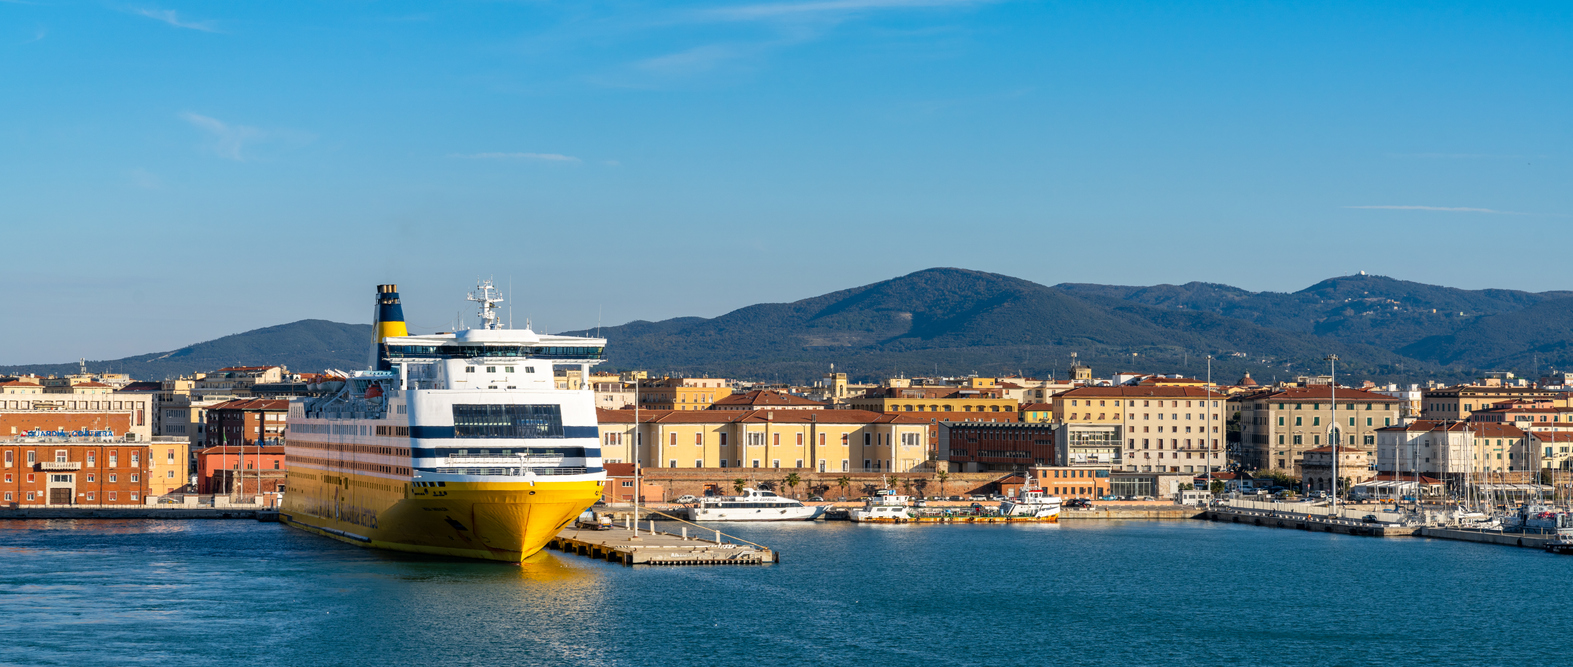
[(500, 521)]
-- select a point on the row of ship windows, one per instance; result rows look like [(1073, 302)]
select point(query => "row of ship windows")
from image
[(353, 465), (351, 448)]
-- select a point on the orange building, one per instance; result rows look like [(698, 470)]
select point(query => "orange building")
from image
[(242, 461), (1089, 483), (73, 473)]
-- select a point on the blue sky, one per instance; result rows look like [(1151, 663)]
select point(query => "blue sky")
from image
[(175, 171)]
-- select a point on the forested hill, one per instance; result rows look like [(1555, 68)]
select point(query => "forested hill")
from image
[(957, 321)]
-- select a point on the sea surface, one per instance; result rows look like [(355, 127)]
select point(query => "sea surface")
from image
[(1079, 593)]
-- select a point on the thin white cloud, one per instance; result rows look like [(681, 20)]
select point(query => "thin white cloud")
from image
[(1460, 156), (145, 179), (1447, 209), (544, 157), (697, 59), (232, 141), (823, 8), (171, 17), (228, 140)]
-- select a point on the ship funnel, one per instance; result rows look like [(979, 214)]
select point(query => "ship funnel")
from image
[(387, 320)]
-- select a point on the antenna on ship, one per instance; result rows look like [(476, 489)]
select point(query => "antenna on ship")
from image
[(488, 299)]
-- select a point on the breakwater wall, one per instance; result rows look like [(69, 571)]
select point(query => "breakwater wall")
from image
[(1315, 524), (1527, 540)]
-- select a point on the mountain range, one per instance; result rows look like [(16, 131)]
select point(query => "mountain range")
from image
[(957, 321)]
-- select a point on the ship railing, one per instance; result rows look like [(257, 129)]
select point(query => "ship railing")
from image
[(707, 529)]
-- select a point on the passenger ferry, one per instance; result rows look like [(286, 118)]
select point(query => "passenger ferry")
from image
[(753, 505), (456, 443)]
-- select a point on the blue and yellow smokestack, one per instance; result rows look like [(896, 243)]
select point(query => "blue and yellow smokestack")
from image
[(388, 321)]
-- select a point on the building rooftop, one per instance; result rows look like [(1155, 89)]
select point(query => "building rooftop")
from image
[(252, 404), (764, 398)]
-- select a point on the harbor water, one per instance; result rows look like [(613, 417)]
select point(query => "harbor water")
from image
[(1077, 593)]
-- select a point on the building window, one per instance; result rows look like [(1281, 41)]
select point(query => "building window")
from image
[(111, 496), (846, 465), (775, 463), (672, 463), (756, 463)]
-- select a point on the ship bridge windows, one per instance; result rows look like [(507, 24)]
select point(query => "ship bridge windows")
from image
[(507, 421), (477, 351)]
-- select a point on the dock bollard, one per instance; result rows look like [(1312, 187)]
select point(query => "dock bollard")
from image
[(718, 537), (685, 533), (652, 526)]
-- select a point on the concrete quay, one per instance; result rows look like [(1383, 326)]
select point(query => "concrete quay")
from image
[(138, 512), (621, 545), (1172, 512)]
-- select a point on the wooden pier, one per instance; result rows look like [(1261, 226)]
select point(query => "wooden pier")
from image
[(701, 546)]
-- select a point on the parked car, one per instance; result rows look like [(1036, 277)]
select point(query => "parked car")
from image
[(684, 500), (1147, 498), (1109, 498), (1078, 504), (955, 499), (1369, 518), (816, 499), (976, 498)]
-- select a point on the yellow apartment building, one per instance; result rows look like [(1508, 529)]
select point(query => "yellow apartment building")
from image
[(820, 440), (671, 393)]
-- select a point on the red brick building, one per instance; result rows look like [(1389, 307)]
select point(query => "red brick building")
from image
[(246, 421), (73, 473), (244, 463), (997, 446)]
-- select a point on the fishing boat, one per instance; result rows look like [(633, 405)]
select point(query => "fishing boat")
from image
[(1031, 503), (882, 507)]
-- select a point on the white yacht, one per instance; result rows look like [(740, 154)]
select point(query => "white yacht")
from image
[(884, 506), (753, 505), (1032, 503)]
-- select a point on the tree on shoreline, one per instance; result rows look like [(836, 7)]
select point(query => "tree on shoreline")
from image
[(844, 482), (942, 476), (791, 481)]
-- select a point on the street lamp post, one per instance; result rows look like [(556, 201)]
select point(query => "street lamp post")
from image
[(1334, 433)]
